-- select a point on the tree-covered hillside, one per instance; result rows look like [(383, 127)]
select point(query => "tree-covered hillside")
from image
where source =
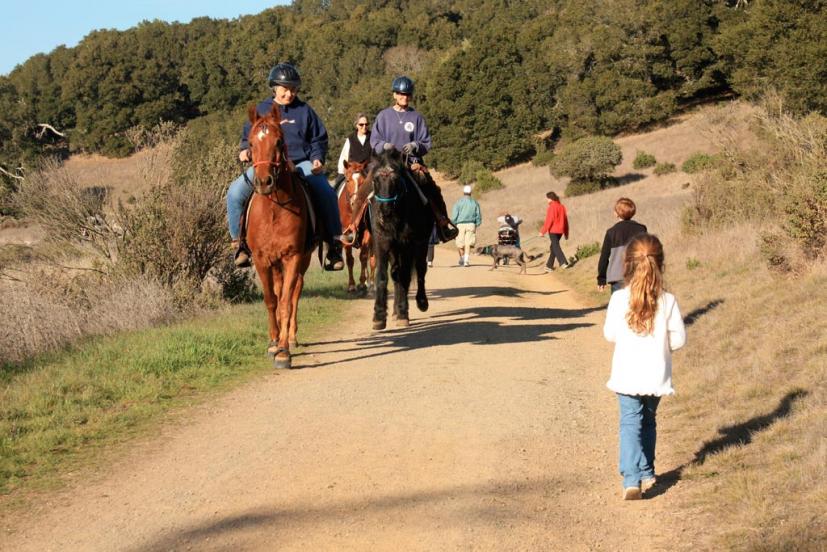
[(490, 74)]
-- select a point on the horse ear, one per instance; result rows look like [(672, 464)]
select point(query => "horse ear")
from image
[(276, 112), (345, 163), (252, 113)]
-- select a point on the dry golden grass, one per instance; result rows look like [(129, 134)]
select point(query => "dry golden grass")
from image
[(743, 442)]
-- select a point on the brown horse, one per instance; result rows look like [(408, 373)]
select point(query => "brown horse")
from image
[(354, 178), (277, 226)]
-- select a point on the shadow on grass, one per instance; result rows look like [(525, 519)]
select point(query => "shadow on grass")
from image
[(731, 436), (693, 316), (231, 530), (627, 178)]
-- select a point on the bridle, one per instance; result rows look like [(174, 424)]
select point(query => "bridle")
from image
[(385, 172), (277, 167)]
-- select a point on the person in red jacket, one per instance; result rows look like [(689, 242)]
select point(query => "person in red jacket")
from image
[(556, 225)]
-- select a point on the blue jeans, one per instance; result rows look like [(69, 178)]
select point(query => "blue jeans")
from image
[(638, 434), (322, 194)]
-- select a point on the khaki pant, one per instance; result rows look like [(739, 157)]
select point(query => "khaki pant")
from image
[(467, 236)]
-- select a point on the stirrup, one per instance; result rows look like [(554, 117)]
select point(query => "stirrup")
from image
[(241, 259), (447, 232)]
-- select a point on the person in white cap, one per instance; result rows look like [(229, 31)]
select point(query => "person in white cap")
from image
[(467, 216)]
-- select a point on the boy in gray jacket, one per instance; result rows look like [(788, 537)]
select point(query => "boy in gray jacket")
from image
[(610, 265)]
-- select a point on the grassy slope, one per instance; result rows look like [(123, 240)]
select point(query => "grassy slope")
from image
[(745, 432), (59, 410)]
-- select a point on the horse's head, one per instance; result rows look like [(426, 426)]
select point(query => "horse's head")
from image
[(355, 175), (268, 149), (387, 177)]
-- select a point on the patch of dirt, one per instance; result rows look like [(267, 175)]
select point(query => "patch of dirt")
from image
[(484, 425)]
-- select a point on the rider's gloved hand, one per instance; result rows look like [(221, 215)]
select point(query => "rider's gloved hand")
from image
[(244, 156), (387, 146), (409, 148)]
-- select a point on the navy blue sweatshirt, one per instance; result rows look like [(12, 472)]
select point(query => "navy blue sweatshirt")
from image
[(304, 132)]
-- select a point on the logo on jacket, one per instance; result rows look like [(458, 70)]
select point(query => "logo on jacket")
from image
[(288, 121), (409, 126)]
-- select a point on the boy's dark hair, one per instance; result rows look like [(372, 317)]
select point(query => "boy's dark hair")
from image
[(552, 196), (625, 208)]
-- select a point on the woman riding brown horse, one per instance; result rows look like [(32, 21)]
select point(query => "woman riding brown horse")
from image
[(355, 175), (277, 232)]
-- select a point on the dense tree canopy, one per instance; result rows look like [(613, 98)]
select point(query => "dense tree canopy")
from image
[(490, 74)]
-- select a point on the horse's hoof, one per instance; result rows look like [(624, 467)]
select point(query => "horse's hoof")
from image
[(379, 324), (282, 363), (351, 289), (402, 323), (273, 349), (422, 304)]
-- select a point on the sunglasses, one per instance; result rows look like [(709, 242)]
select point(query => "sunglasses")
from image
[(361, 124)]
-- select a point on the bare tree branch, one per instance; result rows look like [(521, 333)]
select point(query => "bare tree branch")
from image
[(44, 127), (10, 175)]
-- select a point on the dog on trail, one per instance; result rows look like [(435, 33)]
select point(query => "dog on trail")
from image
[(502, 252)]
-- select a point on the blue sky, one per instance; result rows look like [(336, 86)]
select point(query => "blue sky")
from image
[(29, 27)]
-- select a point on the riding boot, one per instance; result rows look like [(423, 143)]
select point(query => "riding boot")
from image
[(334, 260), (241, 258)]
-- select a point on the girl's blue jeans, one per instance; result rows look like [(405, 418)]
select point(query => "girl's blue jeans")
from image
[(638, 435), (323, 196)]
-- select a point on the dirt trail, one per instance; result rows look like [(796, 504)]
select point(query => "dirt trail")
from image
[(485, 425)]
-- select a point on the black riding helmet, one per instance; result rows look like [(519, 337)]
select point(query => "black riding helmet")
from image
[(403, 85), (285, 75)]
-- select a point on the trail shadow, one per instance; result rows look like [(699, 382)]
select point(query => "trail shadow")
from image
[(693, 316), (501, 501), (471, 325), (731, 436), (479, 292)]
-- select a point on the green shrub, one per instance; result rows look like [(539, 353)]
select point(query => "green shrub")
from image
[(692, 263), (468, 173), (486, 181), (665, 168), (644, 160), (587, 250), (543, 158), (582, 187), (699, 162), (589, 159)]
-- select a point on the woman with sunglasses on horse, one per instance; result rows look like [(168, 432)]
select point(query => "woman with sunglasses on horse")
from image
[(403, 128), (306, 139), (356, 148)]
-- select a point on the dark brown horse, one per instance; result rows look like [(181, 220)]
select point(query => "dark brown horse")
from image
[(277, 226), (354, 178)]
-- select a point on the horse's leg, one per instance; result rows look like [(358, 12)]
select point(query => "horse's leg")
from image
[(270, 300), (297, 292), (380, 303), (402, 283), (351, 283), (421, 259), (363, 261), (287, 283)]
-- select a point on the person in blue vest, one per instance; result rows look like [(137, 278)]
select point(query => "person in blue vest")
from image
[(403, 128), (306, 139)]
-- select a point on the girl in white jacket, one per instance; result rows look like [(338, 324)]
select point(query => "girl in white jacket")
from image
[(645, 324)]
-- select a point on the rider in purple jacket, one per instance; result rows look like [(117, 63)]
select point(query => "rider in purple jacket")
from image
[(403, 128)]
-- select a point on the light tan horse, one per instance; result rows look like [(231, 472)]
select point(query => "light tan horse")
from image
[(354, 179)]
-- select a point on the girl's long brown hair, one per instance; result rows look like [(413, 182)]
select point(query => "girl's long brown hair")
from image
[(643, 267)]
